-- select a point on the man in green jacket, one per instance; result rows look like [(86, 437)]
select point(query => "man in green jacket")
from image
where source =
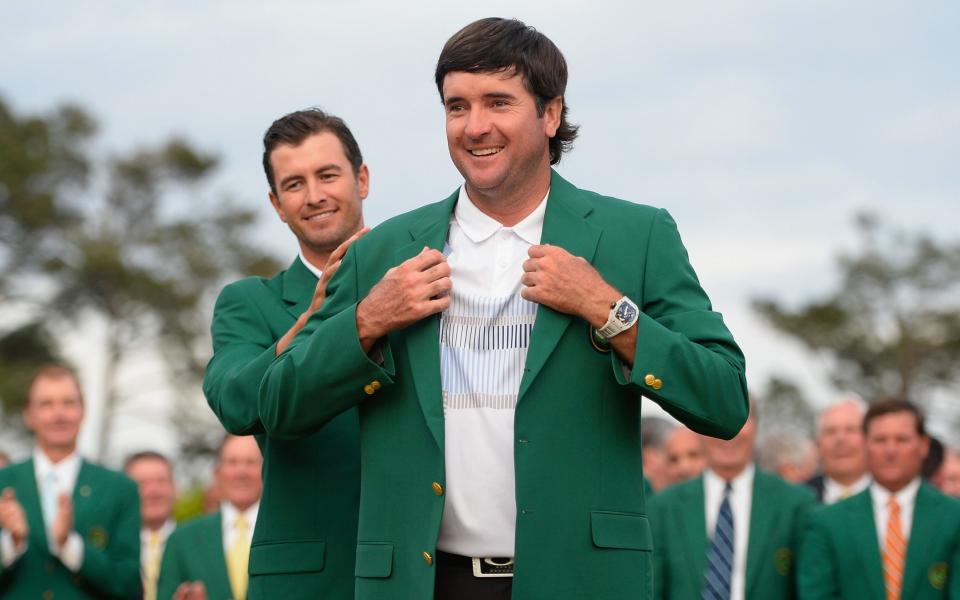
[(213, 550), (68, 528), (500, 441), (731, 545), (305, 537), (900, 538)]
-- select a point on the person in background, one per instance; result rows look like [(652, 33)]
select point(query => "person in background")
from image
[(653, 436), (840, 445), (790, 455), (685, 455), (210, 554), (731, 533), (4, 459), (68, 528), (898, 539), (947, 479), (153, 473)]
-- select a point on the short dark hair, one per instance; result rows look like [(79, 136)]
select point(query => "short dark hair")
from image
[(493, 45), (53, 371), (891, 405), (294, 128), (146, 455)]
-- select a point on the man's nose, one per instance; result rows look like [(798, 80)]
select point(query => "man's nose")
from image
[(316, 194), (478, 123)]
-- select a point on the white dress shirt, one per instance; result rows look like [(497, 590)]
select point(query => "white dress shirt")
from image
[(741, 500), (64, 475), (309, 265), (906, 498), (229, 514), (834, 491), (165, 530), (484, 336)]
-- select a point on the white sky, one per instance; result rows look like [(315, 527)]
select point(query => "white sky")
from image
[(762, 126)]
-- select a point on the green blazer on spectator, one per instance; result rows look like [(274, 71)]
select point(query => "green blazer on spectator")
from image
[(678, 519), (305, 538), (106, 514), (581, 529), (194, 552), (840, 558)]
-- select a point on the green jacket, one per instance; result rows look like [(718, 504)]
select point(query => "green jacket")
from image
[(840, 558), (194, 552), (579, 480), (305, 537), (106, 514), (678, 518)]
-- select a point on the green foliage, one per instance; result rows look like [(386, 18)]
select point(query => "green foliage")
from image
[(782, 406), (131, 240), (892, 325), (189, 504)]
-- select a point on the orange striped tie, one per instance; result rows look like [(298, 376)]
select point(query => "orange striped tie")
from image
[(894, 553)]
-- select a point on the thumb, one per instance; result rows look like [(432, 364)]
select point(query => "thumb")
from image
[(8, 494)]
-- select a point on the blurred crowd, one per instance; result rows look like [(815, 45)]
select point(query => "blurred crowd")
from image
[(765, 493)]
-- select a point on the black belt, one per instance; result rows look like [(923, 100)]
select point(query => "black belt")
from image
[(484, 566)]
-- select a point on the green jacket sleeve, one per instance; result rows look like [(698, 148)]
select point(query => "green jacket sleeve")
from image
[(243, 348), (686, 359), (816, 569), (661, 590), (115, 569), (324, 371)]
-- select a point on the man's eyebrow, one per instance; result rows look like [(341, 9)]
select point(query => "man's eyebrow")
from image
[(320, 169), (487, 96)]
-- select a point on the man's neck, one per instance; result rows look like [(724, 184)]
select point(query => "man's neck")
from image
[(155, 525), (509, 207), (730, 473), (55, 454), (847, 479), (317, 258)]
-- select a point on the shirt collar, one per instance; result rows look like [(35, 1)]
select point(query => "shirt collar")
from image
[(230, 514), (479, 226), (838, 488), (905, 497), (741, 484), (309, 265), (68, 466), (165, 530)]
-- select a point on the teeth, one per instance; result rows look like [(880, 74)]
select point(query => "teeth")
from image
[(485, 151), (320, 215)]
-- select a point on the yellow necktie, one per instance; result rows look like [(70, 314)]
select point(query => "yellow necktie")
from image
[(894, 553), (237, 558), (151, 571)]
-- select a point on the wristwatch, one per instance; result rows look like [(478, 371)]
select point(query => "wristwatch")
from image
[(623, 314)]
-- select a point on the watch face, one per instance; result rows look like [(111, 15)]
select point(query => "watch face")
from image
[(626, 312)]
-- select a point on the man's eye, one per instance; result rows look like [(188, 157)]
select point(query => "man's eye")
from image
[(328, 177), (293, 186)]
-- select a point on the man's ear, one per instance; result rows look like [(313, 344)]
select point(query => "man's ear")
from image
[(551, 116), (363, 181), (275, 202)]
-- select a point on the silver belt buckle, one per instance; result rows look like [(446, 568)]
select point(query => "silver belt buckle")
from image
[(492, 567)]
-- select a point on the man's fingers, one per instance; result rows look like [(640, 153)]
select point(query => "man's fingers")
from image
[(340, 250), (529, 279), (531, 264), (437, 271), (8, 494), (427, 258), (440, 286), (537, 251)]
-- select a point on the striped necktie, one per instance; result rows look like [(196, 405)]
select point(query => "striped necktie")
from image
[(894, 552), (719, 571)]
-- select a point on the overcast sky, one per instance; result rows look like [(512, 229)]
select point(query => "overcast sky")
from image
[(762, 126)]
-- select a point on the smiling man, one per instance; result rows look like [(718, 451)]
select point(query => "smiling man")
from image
[(497, 344), (898, 539), (68, 528), (305, 534)]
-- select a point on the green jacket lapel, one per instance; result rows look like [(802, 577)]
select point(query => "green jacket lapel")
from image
[(863, 530), (212, 549), (564, 225), (923, 529), (762, 522), (298, 284), (693, 529), (28, 494), (422, 338)]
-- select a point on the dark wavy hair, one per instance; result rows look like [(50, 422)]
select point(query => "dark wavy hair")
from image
[(494, 44), (294, 128)]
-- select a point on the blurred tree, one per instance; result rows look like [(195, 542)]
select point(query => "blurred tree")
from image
[(892, 326), (136, 245), (782, 406)]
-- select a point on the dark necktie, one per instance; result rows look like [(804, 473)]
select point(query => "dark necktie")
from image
[(719, 571)]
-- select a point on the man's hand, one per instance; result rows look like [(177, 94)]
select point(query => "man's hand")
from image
[(12, 517), (320, 292), (63, 522), (190, 590), (414, 289), (567, 284)]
